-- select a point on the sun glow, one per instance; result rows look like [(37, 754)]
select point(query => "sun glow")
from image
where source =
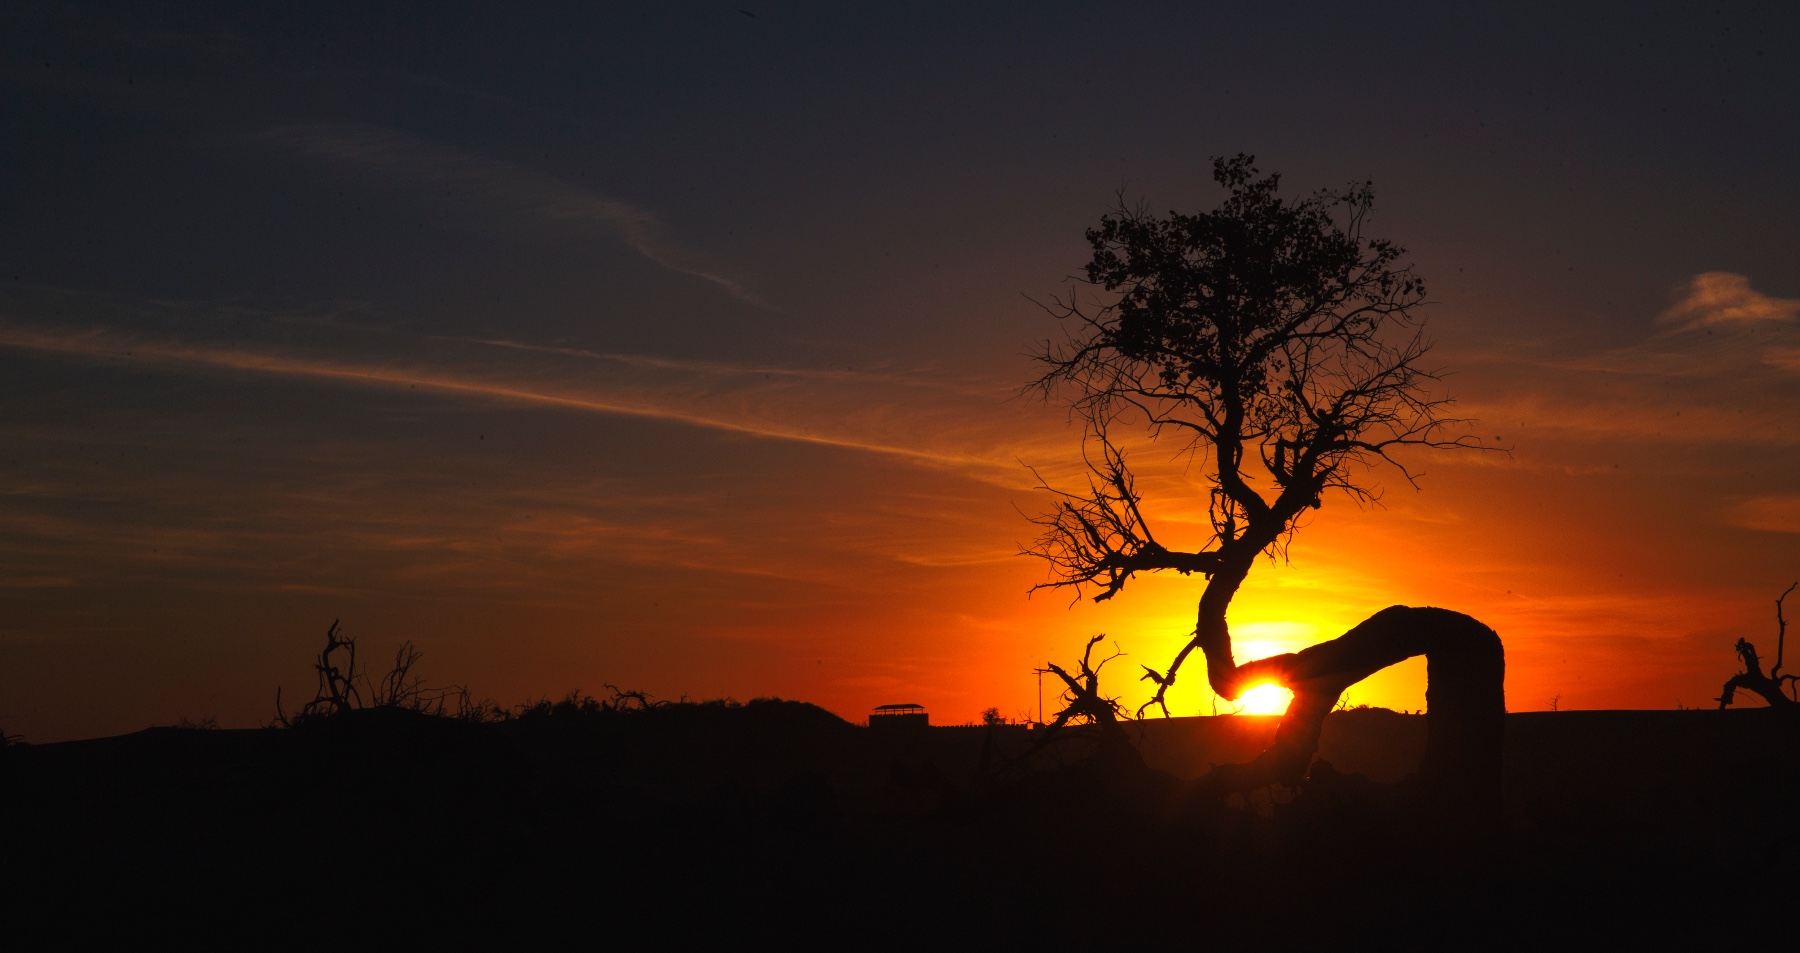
[(1265, 700)]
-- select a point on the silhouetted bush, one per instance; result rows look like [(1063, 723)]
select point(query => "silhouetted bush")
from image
[(578, 705), (346, 687)]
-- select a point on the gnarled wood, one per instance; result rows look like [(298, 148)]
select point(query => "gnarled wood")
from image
[(1084, 703), (1773, 686), (1465, 703), (1276, 342)]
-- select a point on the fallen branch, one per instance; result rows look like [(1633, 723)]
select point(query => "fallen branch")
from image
[(1775, 688)]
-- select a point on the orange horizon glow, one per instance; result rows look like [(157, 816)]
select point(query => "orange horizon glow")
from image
[(864, 548)]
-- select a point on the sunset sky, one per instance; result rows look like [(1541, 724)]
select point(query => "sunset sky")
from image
[(680, 346)]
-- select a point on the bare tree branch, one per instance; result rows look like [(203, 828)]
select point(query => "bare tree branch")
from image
[(1775, 688), (1270, 340), (1100, 538), (1082, 701)]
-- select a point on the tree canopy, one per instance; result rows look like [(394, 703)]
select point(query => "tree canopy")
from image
[(1275, 342)]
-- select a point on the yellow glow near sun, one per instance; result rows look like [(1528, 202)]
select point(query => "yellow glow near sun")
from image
[(1265, 700)]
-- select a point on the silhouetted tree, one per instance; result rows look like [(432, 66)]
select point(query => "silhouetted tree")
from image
[(1774, 686), (1275, 343)]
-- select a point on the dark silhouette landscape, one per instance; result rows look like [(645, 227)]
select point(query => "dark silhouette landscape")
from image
[(689, 823)]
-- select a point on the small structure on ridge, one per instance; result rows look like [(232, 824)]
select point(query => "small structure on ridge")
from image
[(902, 717)]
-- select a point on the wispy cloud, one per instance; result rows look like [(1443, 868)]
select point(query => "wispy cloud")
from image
[(35, 582), (1773, 514), (1723, 298), (958, 428), (1722, 371), (504, 188), (724, 368)]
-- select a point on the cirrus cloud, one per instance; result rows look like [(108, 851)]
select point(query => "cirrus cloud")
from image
[(1770, 514), (526, 196), (1724, 298)]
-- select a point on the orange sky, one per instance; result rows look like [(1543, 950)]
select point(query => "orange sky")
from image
[(683, 350), (850, 537)]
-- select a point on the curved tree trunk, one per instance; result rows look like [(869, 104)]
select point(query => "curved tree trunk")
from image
[(1465, 703)]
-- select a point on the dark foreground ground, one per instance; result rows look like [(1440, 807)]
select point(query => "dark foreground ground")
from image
[(695, 826)]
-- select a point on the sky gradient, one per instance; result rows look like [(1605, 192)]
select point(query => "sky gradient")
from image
[(682, 347)]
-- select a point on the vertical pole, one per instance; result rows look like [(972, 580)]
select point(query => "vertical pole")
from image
[(1040, 675)]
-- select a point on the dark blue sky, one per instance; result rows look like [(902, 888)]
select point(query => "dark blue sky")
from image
[(841, 156)]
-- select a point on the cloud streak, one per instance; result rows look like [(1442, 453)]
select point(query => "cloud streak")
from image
[(1716, 298), (855, 415), (1770, 514), (728, 369), (1722, 371), (505, 189)]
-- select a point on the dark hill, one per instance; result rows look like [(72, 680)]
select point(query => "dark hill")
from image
[(685, 824)]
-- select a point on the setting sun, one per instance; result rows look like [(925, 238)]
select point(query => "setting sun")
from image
[(1265, 700)]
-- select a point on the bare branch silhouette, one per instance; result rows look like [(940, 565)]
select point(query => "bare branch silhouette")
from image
[(1273, 341), (1275, 344), (1775, 688), (1083, 704), (346, 687)]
